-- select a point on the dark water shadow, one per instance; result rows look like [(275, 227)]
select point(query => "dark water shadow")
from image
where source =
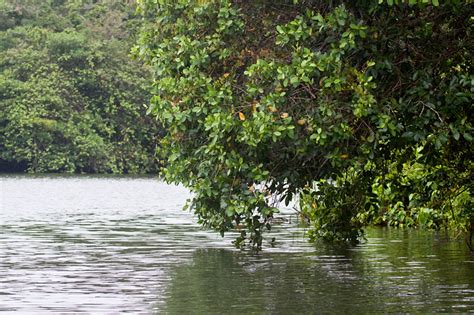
[(395, 271)]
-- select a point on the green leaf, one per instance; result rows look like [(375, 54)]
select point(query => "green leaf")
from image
[(456, 135)]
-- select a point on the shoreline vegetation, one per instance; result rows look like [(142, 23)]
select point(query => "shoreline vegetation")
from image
[(360, 112), (71, 97)]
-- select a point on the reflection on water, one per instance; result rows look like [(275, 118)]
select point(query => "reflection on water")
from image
[(91, 244), (420, 274)]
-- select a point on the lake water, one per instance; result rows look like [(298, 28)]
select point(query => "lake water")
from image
[(115, 245)]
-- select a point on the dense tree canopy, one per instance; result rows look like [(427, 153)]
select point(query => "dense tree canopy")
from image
[(359, 110), (71, 98)]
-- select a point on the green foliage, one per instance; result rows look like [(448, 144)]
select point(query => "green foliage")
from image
[(353, 107), (421, 3), (71, 98)]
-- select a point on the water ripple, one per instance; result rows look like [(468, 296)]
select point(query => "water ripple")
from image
[(108, 245)]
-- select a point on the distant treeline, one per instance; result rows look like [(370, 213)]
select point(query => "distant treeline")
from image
[(71, 98)]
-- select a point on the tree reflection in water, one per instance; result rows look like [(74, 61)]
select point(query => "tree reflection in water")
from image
[(397, 271)]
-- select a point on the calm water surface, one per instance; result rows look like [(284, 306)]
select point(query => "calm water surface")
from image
[(114, 245)]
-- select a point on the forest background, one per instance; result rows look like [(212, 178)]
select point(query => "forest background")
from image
[(71, 97)]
